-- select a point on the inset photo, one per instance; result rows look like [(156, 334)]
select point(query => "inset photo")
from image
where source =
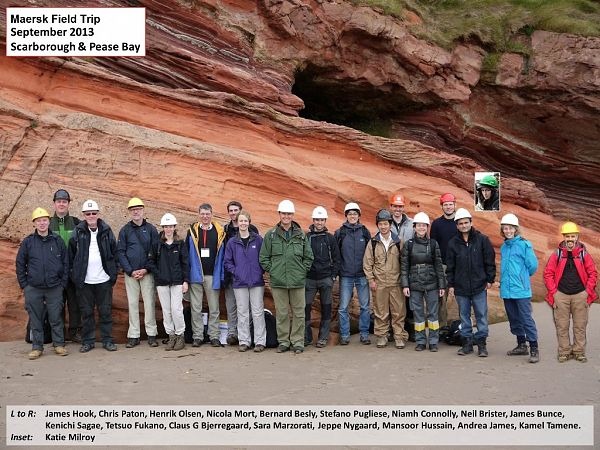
[(487, 191)]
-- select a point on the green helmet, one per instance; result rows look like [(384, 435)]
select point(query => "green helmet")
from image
[(489, 180)]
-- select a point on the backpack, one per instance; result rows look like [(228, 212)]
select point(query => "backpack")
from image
[(453, 335), (270, 326), (374, 241), (581, 256)]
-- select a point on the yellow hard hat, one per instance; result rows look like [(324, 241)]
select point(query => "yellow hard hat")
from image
[(39, 212), (569, 228), (135, 202)]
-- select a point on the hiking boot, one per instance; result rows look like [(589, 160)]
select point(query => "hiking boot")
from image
[(467, 347), (35, 353), (60, 351), (381, 341), (321, 343), (259, 348), (482, 348), (152, 341), (298, 350), (282, 349), (400, 344), (86, 348), (179, 342), (433, 347), (243, 348), (563, 358), (580, 357), (420, 347), (520, 349), (132, 342), (215, 343), (232, 339), (344, 341), (534, 355), (170, 343), (197, 343), (109, 346), (364, 340)]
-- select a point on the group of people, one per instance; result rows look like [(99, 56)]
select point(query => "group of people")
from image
[(405, 274)]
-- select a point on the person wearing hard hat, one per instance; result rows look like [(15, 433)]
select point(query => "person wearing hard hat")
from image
[(570, 277), (402, 225), (93, 261), (381, 264), (320, 277), (137, 238), (171, 275), (442, 230), (470, 272), (286, 254), (242, 261), (423, 281), (63, 224), (488, 197), (231, 230), (518, 263), (42, 267), (352, 238), (205, 240)]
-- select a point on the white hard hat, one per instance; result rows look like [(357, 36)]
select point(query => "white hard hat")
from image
[(286, 206), (351, 206), (319, 213), (168, 219), (510, 219), (462, 213), (90, 205), (421, 217)]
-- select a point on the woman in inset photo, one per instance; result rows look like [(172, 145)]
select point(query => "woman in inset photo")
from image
[(487, 196)]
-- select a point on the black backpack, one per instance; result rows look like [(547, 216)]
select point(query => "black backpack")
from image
[(270, 326), (453, 335), (343, 232), (47, 331)]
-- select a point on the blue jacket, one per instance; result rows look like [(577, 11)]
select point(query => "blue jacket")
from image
[(195, 264), (42, 262), (135, 245), (353, 240), (243, 263), (518, 263)]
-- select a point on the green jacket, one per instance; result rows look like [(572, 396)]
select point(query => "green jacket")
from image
[(63, 227), (287, 260)]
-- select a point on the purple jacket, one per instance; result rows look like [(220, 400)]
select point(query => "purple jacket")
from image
[(242, 261)]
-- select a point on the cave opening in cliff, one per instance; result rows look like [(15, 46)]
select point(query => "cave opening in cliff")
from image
[(361, 106)]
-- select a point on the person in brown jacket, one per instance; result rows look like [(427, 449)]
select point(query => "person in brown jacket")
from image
[(381, 264)]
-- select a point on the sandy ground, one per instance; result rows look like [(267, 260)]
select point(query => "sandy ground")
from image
[(357, 374)]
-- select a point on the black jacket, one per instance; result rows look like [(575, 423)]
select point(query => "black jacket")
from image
[(135, 246), (170, 263), (42, 262), (327, 255), (470, 265), (421, 267), (79, 252), (352, 240)]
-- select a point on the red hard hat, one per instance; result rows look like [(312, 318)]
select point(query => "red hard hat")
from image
[(397, 199), (447, 197)]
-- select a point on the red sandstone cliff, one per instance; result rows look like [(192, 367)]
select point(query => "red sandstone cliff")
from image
[(209, 115)]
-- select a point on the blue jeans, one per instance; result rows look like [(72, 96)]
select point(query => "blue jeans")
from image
[(362, 289), (479, 304), (521, 322)]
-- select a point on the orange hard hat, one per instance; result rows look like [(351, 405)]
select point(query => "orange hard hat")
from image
[(397, 199)]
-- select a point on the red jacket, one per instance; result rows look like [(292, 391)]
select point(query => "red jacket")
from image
[(555, 268)]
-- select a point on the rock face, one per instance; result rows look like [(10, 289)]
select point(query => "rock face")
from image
[(211, 114)]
